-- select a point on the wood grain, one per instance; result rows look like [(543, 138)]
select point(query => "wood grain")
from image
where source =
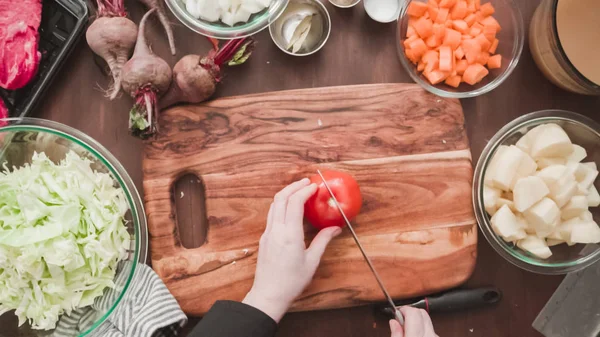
[(407, 149)]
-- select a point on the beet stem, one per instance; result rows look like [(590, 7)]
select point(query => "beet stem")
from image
[(228, 51), (111, 8)]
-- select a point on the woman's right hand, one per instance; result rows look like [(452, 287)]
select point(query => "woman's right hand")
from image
[(416, 324)]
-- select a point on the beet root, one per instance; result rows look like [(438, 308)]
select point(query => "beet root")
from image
[(112, 36), (145, 77), (195, 79), (164, 20)]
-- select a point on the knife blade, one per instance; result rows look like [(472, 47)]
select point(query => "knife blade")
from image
[(398, 315)]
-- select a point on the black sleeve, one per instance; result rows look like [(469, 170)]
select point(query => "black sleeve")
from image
[(234, 319)]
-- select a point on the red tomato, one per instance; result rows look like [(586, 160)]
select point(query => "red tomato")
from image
[(320, 209)]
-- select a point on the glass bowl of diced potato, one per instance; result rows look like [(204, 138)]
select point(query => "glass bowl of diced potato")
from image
[(459, 48), (535, 192), (227, 19)]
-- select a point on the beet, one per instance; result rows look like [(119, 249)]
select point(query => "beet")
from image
[(195, 78), (145, 77)]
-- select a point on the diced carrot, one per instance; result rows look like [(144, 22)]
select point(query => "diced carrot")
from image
[(445, 58), (483, 41), (429, 67), (410, 31), (459, 11), (416, 8), (475, 73), (466, 37), (461, 26), (439, 30), (448, 24), (442, 15), (420, 66), (433, 2), (431, 56), (494, 46), (452, 38), (461, 66), (426, 15), (453, 81), (459, 53), (435, 77), (447, 3), (411, 56), (418, 47), (491, 21), (495, 62), (477, 4), (477, 25), (487, 9), (483, 58), (471, 6), (433, 12), (472, 49), (470, 19), (474, 31), (409, 40), (489, 31), (433, 41), (424, 27)]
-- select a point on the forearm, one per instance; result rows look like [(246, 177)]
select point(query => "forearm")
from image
[(234, 319)]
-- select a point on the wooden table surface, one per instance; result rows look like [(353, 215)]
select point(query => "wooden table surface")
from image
[(359, 51)]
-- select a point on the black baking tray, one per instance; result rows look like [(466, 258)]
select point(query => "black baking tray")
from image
[(63, 23)]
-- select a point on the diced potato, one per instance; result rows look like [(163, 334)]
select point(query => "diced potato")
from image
[(586, 216), (490, 199), (528, 191), (586, 232), (563, 190), (577, 155), (582, 191), (577, 205), (552, 174), (593, 197), (566, 227), (508, 163), (505, 202), (527, 167), (209, 10), (506, 225), (493, 165), (591, 165), (525, 142), (543, 216), (552, 141), (545, 162), (586, 175), (535, 246)]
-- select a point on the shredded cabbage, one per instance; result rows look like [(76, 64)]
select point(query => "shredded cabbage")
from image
[(62, 233)]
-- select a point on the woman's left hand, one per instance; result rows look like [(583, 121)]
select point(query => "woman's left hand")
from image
[(285, 266)]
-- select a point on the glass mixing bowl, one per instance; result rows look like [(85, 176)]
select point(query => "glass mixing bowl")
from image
[(511, 39), (219, 30), (565, 259), (18, 141)]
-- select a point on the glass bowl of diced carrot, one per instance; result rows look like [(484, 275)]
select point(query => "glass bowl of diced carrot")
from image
[(460, 48)]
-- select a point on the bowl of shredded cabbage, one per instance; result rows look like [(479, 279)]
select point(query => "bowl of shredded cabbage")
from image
[(72, 230)]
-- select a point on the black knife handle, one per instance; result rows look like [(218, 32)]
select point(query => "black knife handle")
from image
[(454, 300), (460, 300)]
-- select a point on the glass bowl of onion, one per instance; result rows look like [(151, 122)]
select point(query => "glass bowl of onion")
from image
[(487, 38), (72, 230), (535, 192), (227, 19)]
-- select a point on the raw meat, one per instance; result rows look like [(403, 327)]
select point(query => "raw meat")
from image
[(19, 55)]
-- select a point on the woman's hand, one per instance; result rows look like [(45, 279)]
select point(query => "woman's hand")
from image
[(416, 324), (285, 266)]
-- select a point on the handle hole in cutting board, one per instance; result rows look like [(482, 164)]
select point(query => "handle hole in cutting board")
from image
[(190, 208)]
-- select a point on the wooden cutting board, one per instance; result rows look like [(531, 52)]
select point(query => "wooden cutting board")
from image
[(408, 150)]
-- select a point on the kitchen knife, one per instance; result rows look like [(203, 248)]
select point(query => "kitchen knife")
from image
[(396, 312), (453, 300)]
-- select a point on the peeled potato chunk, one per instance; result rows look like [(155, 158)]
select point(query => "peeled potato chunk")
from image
[(528, 191), (535, 246), (543, 216), (578, 154), (525, 142), (506, 225), (490, 199), (574, 208), (552, 141), (593, 197), (585, 232), (508, 162)]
